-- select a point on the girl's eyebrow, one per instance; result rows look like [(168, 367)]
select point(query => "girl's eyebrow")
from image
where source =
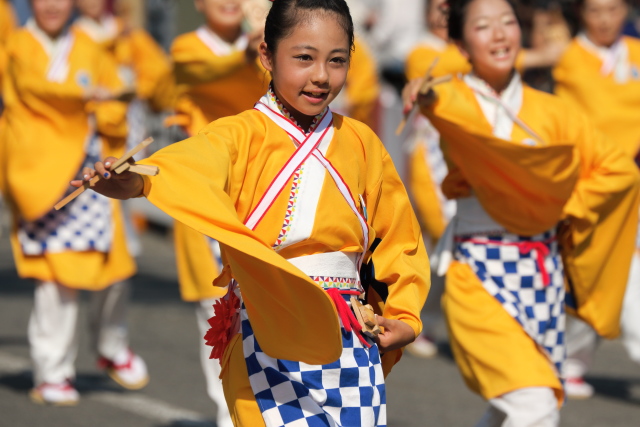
[(340, 50)]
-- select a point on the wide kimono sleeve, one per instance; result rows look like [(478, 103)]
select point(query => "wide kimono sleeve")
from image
[(400, 259), (292, 317), (603, 213), (193, 66)]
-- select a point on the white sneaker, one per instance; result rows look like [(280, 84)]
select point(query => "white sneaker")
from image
[(423, 348), (62, 394), (578, 388), (127, 369)]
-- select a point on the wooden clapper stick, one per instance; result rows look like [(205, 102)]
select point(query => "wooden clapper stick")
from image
[(121, 165), (428, 84)]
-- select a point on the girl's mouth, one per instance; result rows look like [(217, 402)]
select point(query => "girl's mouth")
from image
[(315, 97)]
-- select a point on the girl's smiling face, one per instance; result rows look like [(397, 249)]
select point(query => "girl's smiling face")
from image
[(491, 40), (309, 66)]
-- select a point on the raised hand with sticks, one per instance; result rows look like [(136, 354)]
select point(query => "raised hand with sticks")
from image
[(126, 184), (419, 92)]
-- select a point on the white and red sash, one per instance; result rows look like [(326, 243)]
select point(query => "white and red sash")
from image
[(306, 146), (218, 46)]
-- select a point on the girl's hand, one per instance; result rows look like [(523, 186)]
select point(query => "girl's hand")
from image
[(116, 186), (411, 95), (397, 334)]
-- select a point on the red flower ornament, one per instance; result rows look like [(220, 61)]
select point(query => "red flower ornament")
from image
[(224, 324)]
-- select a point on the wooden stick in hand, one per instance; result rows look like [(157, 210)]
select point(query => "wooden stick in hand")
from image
[(117, 167), (428, 84)]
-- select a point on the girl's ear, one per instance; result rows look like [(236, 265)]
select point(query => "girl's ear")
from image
[(266, 58), (460, 45), (199, 5)]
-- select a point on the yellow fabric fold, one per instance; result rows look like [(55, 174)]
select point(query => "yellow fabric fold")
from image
[(521, 187)]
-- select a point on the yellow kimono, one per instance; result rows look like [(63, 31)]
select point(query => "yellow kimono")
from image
[(7, 26), (48, 126), (575, 173), (612, 103), (212, 182), (143, 65), (211, 87)]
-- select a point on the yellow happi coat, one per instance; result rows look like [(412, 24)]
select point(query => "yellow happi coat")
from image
[(134, 49), (612, 106), (212, 181), (47, 127), (210, 87), (423, 185), (576, 174)]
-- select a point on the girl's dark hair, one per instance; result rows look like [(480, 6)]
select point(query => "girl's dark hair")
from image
[(458, 15), (286, 14)]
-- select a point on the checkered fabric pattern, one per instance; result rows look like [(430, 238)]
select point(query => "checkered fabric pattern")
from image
[(84, 224), (515, 281), (347, 393)]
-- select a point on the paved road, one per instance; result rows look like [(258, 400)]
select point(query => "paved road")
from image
[(421, 393)]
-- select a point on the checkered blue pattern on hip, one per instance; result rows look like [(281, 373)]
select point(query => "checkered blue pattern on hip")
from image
[(85, 224), (514, 279), (347, 393)]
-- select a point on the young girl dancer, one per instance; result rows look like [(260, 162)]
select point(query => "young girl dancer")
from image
[(58, 120), (599, 74), (294, 254), (520, 162)]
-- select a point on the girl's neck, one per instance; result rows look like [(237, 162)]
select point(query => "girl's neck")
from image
[(303, 120), (607, 46), (228, 34), (497, 83)]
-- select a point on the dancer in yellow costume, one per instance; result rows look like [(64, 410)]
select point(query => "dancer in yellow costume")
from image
[(599, 74), (294, 194), (59, 119), (426, 166), (520, 162), (142, 65), (218, 75), (7, 26)]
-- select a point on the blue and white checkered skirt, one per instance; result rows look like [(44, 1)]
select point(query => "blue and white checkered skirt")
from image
[(349, 392), (515, 280), (85, 224)]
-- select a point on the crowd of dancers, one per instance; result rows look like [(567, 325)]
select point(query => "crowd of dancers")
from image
[(289, 212)]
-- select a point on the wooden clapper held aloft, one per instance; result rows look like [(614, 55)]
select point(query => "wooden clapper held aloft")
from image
[(124, 163)]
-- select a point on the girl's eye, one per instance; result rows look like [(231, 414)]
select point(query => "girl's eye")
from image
[(339, 60), (304, 57)]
